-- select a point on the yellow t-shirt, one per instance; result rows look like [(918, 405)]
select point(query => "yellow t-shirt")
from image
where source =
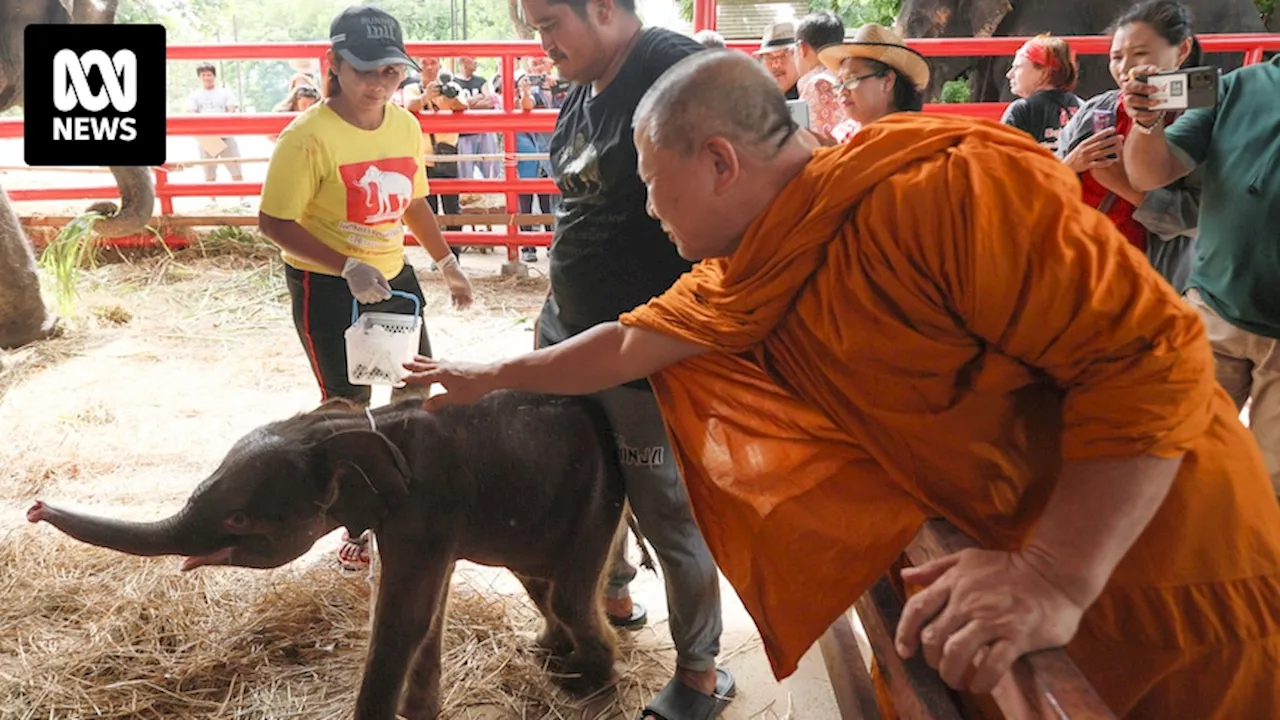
[(348, 187)]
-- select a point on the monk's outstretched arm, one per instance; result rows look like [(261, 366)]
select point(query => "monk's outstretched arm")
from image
[(605, 356)]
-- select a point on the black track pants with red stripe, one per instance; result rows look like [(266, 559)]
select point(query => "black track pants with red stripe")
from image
[(322, 313)]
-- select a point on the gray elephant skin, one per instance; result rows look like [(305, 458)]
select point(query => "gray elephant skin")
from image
[(23, 316), (1026, 18), (527, 482)]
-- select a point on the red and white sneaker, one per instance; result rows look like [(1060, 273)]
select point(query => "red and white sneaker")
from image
[(354, 554)]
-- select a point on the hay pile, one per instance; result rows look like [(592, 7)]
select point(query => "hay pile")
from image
[(86, 632)]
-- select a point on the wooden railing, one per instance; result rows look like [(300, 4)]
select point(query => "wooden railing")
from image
[(1043, 685)]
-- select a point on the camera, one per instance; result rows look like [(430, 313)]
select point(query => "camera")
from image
[(448, 87), (536, 80)]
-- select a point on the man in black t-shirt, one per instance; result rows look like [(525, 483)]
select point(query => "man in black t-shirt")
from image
[(607, 257), (477, 94)]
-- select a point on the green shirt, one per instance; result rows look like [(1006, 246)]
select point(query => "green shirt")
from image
[(1237, 267)]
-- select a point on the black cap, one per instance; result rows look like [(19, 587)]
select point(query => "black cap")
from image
[(369, 38)]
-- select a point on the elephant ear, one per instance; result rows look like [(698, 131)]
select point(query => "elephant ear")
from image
[(986, 15), (367, 477)]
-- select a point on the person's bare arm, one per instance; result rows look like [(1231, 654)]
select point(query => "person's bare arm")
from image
[(300, 243), (422, 223), (1148, 157), (603, 357), (415, 99), (1115, 178), (1096, 512), (484, 100), (1020, 602), (1151, 161)]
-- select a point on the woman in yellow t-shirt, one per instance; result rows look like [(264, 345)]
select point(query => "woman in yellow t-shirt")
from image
[(343, 176)]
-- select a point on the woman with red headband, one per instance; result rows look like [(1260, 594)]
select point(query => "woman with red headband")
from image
[(1161, 223), (1043, 77)]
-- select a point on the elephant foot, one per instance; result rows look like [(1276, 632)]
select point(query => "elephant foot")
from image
[(555, 642), (51, 328), (582, 675), (427, 709)]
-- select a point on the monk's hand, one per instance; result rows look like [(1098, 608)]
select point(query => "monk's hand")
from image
[(464, 383), (980, 611), (1136, 95), (1099, 150)]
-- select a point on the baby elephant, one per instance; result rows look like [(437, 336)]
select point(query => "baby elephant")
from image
[(529, 482)]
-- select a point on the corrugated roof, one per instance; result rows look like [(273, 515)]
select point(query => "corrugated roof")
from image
[(742, 20)]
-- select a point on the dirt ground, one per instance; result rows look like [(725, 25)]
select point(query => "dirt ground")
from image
[(167, 360)]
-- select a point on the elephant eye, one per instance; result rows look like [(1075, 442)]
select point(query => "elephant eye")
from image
[(238, 520)]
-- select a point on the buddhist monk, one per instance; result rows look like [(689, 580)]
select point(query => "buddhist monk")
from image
[(928, 322)]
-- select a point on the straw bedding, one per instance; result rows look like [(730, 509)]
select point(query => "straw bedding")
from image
[(86, 632)]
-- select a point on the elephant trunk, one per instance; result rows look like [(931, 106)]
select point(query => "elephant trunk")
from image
[(171, 536), (137, 200)]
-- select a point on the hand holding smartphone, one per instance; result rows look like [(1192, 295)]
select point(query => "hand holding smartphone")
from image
[(1182, 89)]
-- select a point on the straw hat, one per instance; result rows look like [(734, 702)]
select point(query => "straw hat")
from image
[(876, 42), (778, 36)]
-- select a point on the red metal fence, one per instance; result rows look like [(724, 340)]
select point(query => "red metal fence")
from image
[(508, 120)]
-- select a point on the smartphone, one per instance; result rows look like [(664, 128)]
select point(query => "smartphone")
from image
[(1184, 89), (1103, 119), (799, 112)]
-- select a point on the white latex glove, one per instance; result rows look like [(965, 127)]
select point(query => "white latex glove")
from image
[(366, 282), (458, 283)]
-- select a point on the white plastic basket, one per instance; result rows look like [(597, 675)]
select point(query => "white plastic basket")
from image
[(378, 344)]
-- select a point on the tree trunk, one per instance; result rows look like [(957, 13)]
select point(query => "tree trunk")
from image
[(523, 30)]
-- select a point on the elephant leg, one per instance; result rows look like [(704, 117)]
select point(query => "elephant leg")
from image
[(555, 637), (576, 602), (409, 593), (421, 700), (23, 316)]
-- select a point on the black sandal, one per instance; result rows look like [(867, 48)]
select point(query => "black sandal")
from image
[(677, 701), (639, 616)]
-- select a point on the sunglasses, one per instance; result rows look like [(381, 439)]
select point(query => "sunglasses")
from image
[(853, 82)]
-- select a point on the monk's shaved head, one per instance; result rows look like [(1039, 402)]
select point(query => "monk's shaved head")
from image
[(715, 93)]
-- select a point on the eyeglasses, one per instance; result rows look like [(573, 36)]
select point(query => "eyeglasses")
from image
[(852, 83)]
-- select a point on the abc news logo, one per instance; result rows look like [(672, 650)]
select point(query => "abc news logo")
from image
[(95, 95)]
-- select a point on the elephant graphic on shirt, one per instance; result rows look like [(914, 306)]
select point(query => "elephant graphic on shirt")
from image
[(388, 184)]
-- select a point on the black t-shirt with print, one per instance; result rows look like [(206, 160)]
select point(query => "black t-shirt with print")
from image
[(608, 256), (1043, 115), (471, 87)]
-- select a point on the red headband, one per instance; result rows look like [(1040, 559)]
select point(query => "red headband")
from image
[(1037, 54)]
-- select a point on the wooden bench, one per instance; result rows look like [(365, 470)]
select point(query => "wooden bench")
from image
[(1044, 684)]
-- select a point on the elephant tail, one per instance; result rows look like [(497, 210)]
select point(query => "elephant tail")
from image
[(646, 558)]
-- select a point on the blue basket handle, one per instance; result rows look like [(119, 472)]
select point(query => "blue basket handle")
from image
[(417, 305)]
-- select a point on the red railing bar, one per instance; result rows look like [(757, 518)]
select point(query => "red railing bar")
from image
[(176, 242), (273, 123), (232, 189), (1082, 44), (939, 47), (704, 15), (316, 49)]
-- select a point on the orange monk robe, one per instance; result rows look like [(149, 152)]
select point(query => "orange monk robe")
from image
[(927, 322)]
